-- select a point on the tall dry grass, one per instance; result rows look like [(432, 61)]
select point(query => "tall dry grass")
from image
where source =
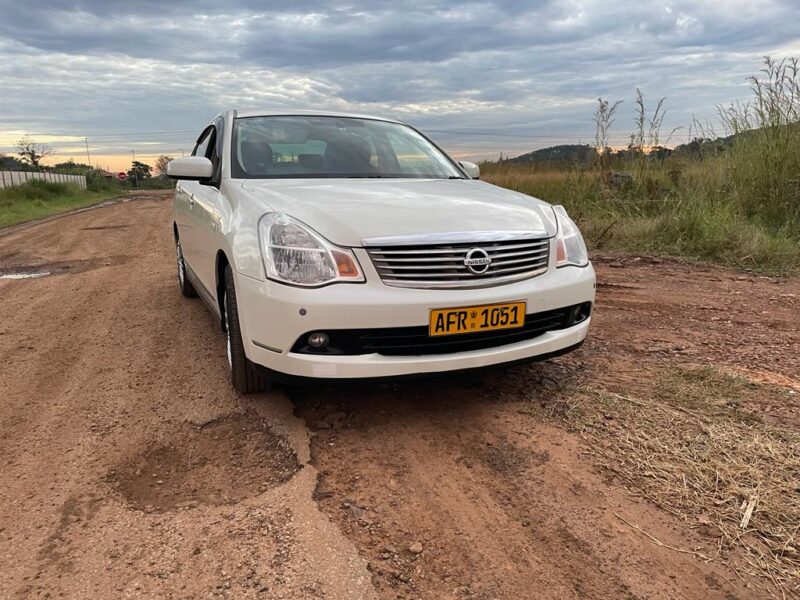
[(765, 158), (736, 203)]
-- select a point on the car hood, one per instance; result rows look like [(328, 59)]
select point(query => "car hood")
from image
[(348, 211)]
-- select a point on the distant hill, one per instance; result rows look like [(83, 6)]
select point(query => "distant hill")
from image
[(568, 153), (584, 154), (702, 146)]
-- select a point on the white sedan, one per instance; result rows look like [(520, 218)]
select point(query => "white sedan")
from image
[(343, 246)]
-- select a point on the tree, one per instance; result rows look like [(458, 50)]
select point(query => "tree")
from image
[(11, 163), (139, 171), (31, 151), (161, 164), (71, 167)]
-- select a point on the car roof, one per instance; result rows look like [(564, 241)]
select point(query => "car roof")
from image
[(250, 112)]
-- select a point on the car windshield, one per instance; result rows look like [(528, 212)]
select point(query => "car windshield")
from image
[(312, 146)]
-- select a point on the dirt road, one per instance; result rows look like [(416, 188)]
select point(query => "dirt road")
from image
[(131, 469)]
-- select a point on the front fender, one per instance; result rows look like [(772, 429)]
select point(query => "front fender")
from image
[(241, 242)]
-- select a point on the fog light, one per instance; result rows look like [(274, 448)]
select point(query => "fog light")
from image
[(582, 312), (579, 314), (318, 339)]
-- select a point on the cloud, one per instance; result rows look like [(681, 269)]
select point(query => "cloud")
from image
[(500, 70)]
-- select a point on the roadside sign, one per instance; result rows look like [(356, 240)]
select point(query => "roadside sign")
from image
[(122, 176)]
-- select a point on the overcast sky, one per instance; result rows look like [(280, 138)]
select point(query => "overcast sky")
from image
[(481, 77)]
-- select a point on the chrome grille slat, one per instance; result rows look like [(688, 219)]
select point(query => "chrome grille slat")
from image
[(459, 259), (463, 284), (418, 267), (511, 269), (455, 248), (442, 265), (524, 253), (515, 261), (427, 275), (447, 250)]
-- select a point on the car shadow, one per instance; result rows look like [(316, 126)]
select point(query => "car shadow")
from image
[(353, 404)]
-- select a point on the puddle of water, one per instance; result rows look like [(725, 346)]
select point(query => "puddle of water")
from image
[(22, 270), (23, 275)]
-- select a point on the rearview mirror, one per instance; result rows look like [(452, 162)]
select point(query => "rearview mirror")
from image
[(196, 168), (472, 169)]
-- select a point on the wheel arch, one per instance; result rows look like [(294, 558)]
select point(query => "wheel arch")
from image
[(222, 263)]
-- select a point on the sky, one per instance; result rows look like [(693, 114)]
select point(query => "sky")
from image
[(480, 77)]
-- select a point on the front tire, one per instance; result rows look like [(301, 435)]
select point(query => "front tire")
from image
[(245, 376)]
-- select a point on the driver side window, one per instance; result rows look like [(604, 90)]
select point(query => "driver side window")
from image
[(205, 143), (207, 147)]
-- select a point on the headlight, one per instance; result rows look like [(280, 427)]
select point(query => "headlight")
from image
[(295, 254), (570, 247)]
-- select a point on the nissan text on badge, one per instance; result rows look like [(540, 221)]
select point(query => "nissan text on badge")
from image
[(342, 246)]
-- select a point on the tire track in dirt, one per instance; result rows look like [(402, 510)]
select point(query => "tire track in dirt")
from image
[(505, 505), (508, 505), (111, 378), (110, 374)]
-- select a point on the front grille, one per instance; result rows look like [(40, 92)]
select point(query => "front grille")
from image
[(442, 265), (415, 341)]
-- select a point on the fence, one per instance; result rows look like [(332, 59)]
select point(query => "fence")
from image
[(12, 178)]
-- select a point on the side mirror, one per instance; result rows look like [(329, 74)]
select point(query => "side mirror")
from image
[(195, 168), (472, 169)]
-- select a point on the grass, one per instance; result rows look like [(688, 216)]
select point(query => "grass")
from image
[(38, 199), (692, 444), (734, 203), (693, 218)]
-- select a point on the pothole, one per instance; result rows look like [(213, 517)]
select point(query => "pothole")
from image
[(223, 462)]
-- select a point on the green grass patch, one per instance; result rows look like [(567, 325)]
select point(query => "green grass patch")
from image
[(38, 199), (733, 200), (689, 210)]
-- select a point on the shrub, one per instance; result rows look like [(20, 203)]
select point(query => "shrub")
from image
[(37, 190)]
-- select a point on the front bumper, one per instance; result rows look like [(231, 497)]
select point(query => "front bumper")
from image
[(273, 316)]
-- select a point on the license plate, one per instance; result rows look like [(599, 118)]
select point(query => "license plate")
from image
[(469, 319)]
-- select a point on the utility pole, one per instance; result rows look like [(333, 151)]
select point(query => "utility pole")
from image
[(135, 170), (88, 158)]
